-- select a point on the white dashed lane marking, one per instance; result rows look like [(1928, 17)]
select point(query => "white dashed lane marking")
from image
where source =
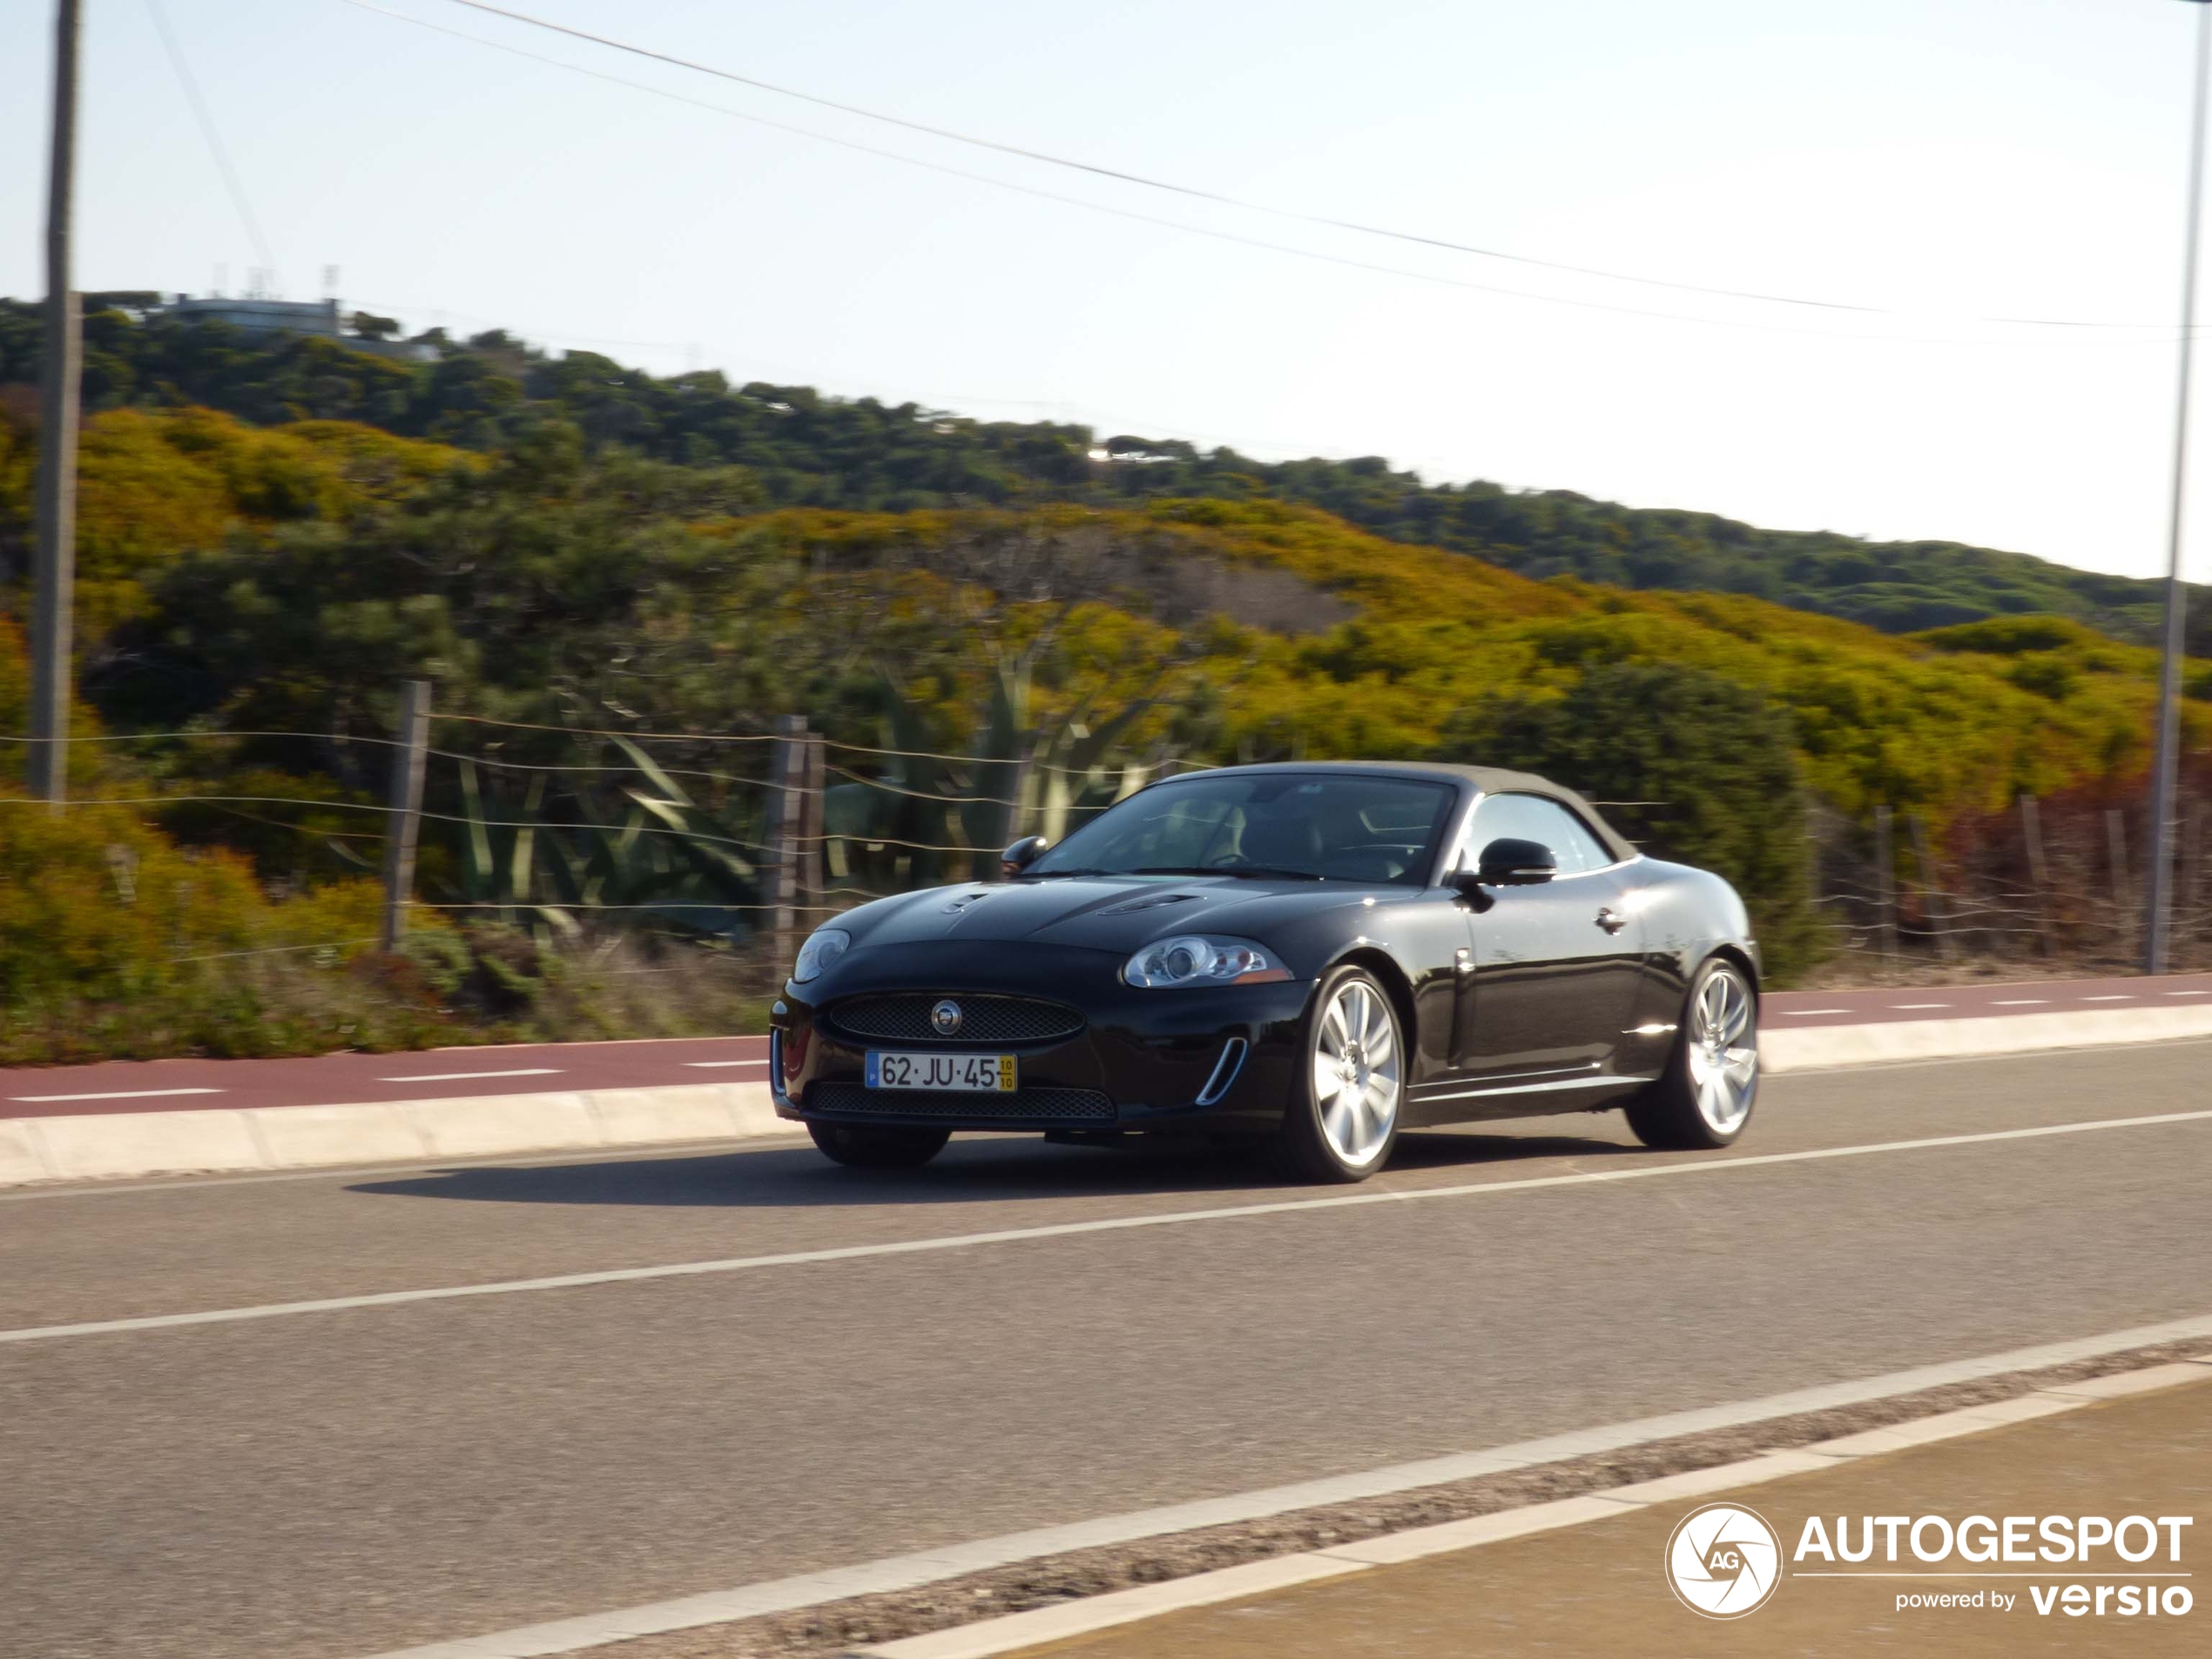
[(116, 1093), (471, 1077)]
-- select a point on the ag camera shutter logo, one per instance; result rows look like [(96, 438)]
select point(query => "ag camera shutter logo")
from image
[(1723, 1561)]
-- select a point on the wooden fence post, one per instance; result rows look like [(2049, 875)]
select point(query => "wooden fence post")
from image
[(2116, 845), (2191, 879), (410, 753), (779, 862), (1931, 890), (2039, 873), (812, 846), (1018, 780), (1885, 884)]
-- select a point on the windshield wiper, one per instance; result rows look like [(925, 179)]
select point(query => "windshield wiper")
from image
[(1261, 872)]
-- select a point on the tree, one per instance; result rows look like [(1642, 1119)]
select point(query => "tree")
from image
[(369, 326), (1707, 770)]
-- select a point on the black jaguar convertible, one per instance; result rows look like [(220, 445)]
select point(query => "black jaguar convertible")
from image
[(1319, 956)]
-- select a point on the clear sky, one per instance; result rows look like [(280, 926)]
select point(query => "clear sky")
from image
[(1942, 161)]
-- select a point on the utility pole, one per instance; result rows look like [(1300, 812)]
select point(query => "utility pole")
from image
[(54, 565), (2166, 761)]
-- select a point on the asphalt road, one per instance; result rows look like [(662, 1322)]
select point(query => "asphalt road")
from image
[(347, 1481), (529, 1069)]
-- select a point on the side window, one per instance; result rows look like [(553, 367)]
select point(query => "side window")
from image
[(1594, 854), (1531, 818)]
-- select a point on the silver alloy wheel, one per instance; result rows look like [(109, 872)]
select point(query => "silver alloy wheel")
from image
[(1724, 1050), (1356, 1073)]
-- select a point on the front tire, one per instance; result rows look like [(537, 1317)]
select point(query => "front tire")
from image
[(879, 1146), (1341, 1121), (1704, 1098)]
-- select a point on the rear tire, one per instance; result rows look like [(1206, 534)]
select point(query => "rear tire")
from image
[(1704, 1098), (879, 1146), (1341, 1120)]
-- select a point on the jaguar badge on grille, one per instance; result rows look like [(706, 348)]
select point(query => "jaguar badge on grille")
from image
[(945, 1018)]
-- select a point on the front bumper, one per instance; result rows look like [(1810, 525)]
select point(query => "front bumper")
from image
[(1142, 1059)]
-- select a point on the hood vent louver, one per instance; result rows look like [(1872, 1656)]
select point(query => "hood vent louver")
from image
[(1149, 901)]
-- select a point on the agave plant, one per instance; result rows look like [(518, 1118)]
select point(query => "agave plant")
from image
[(927, 813), (642, 845)]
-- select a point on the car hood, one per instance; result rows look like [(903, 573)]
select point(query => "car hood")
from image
[(1104, 912)]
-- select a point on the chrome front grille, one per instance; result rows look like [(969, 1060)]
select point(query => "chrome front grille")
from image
[(1023, 1106), (904, 1017)]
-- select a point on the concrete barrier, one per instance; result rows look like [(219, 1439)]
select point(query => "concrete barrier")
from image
[(107, 1145)]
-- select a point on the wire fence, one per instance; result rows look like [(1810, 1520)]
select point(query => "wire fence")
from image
[(2045, 885), (587, 828), (603, 826)]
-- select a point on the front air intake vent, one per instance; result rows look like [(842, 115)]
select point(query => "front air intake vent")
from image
[(983, 1019)]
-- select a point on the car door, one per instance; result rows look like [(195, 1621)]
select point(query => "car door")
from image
[(1556, 963)]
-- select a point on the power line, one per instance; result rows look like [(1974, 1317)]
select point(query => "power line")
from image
[(1195, 194), (1185, 228), (214, 138)]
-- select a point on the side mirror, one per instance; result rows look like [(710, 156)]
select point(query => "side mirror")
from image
[(1509, 863), (1020, 856)]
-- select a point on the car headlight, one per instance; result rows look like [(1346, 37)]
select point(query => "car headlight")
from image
[(823, 947), (1190, 960)]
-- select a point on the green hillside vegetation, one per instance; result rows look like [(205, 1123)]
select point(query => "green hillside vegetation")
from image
[(290, 576), (805, 449), (294, 575)]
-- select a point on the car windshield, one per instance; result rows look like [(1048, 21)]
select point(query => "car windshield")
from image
[(1327, 827)]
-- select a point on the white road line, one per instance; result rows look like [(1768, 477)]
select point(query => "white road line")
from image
[(710, 1065), (2023, 1002), (2186, 994), (2121, 996), (470, 1077), (1796, 1013), (1919, 1005), (116, 1094), (1067, 1230), (904, 1572)]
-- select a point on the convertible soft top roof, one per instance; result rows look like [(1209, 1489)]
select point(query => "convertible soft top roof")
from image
[(1489, 780)]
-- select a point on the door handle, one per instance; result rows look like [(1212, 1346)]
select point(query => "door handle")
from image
[(1611, 919)]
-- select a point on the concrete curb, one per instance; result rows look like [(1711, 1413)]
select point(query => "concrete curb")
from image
[(111, 1145), (1019, 1631), (1817, 1048)]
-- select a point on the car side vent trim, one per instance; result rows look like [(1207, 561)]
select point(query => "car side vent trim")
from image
[(1225, 1071)]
